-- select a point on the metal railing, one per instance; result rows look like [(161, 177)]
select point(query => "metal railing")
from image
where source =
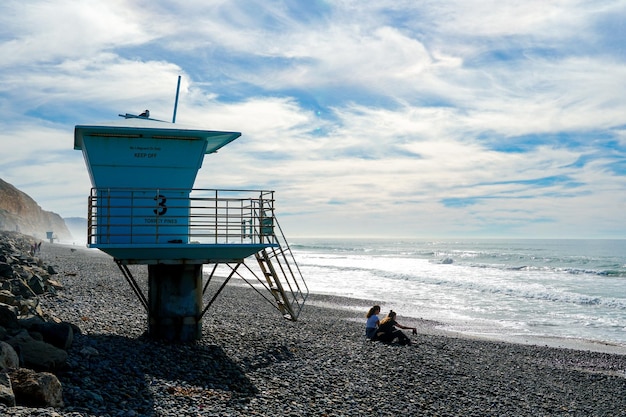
[(161, 216)]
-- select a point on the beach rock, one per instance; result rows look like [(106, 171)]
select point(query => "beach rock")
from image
[(19, 286), (36, 284), (8, 357), (7, 297), (36, 389), (28, 306), (59, 335), (8, 317), (24, 276), (7, 396), (38, 354), (89, 351), (5, 269), (54, 284)]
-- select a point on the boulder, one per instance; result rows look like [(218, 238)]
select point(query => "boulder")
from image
[(60, 335), (38, 354), (28, 337), (54, 284), (6, 270), (29, 321), (19, 288), (36, 284), (8, 357), (28, 306), (7, 397), (8, 317), (7, 297), (36, 389)]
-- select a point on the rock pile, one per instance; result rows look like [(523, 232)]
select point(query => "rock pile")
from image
[(33, 346)]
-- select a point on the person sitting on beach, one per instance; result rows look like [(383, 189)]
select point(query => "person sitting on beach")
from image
[(387, 331), (372, 322)]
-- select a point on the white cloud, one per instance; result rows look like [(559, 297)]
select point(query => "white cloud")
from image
[(45, 31), (365, 118), (105, 81)]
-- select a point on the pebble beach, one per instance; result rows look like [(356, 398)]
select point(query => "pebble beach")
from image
[(252, 362)]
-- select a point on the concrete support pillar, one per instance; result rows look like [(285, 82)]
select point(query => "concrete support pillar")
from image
[(175, 302)]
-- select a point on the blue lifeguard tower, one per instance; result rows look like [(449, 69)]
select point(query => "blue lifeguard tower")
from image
[(143, 209)]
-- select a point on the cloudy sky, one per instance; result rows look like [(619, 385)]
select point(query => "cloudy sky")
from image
[(435, 118)]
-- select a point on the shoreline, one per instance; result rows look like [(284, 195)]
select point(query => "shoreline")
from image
[(443, 329), (438, 327)]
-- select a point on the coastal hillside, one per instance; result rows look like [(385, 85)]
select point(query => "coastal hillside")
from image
[(20, 213)]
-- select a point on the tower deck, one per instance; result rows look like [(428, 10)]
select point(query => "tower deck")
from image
[(170, 226)]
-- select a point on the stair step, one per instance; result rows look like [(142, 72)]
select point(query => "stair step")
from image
[(280, 277)]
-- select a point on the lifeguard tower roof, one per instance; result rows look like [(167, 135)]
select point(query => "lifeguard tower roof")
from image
[(136, 127)]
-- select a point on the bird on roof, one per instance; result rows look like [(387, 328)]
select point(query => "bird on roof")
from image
[(145, 114)]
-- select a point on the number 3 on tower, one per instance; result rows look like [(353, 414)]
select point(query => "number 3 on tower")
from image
[(162, 209)]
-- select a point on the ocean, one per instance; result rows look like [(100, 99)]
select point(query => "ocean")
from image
[(571, 289)]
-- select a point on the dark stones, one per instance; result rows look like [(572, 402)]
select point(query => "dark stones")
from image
[(31, 348), (59, 335), (8, 357), (8, 317), (38, 354), (7, 396), (33, 389), (6, 270)]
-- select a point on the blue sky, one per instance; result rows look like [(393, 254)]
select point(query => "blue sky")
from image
[(368, 118)]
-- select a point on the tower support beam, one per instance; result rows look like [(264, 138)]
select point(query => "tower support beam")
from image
[(175, 302)]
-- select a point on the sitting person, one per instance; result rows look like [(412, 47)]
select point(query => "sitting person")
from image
[(387, 331), (372, 322)]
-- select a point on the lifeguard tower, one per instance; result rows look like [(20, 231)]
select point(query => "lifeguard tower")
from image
[(143, 209)]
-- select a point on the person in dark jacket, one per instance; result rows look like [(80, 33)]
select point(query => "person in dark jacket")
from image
[(389, 330)]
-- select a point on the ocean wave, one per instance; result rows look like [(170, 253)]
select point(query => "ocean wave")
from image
[(574, 286), (441, 284), (546, 268), (540, 294), (613, 273)]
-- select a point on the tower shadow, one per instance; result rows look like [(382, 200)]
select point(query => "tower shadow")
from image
[(109, 373)]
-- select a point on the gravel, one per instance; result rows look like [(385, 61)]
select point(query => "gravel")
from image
[(250, 361)]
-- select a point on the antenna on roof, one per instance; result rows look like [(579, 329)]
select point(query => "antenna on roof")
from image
[(176, 101)]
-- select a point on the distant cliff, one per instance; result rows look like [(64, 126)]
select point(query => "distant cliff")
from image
[(19, 212)]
